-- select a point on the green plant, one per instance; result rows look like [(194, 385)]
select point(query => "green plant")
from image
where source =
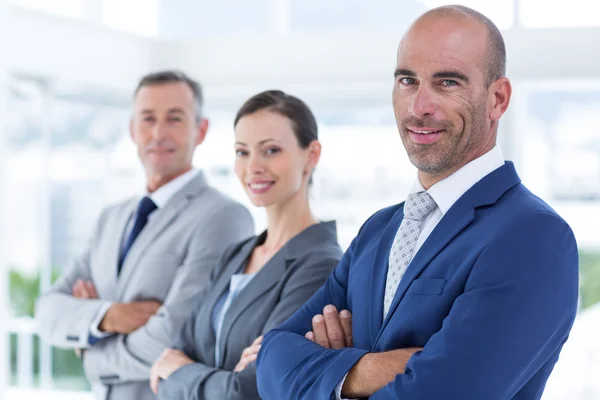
[(589, 272), (67, 371)]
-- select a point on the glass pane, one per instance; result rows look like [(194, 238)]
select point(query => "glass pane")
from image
[(556, 14), (24, 216), (559, 146), (354, 15), (186, 19), (139, 17), (382, 15), (87, 129), (65, 157), (63, 8)]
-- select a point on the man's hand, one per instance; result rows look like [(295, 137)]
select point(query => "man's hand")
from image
[(169, 361), (375, 370), (334, 330), (249, 355), (84, 290), (127, 317)]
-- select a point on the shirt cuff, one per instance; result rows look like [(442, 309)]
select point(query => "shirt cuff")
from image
[(95, 333), (338, 390)]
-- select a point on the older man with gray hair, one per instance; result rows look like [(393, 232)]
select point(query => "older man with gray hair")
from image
[(122, 301)]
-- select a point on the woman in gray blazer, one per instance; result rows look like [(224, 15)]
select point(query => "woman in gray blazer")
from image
[(262, 281)]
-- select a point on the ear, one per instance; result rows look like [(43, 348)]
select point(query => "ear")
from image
[(314, 154), (500, 93), (131, 135), (202, 130)]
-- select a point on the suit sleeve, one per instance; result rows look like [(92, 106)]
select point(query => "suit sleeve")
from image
[(126, 358), (63, 320), (515, 314), (201, 382), (289, 366)]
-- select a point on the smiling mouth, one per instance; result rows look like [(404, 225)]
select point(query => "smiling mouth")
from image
[(424, 132), (260, 186)]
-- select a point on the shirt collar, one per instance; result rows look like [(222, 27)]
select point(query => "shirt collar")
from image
[(163, 194), (447, 191)]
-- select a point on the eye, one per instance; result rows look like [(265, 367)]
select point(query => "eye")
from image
[(241, 153), (272, 151), (175, 119), (449, 82), (148, 119), (408, 80)]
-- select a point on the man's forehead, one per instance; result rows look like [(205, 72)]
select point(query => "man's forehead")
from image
[(452, 45), (163, 96), (428, 60)]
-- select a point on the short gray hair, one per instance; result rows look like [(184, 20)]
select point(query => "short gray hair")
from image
[(174, 76)]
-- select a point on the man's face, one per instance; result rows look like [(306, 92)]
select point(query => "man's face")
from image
[(440, 98), (166, 129)]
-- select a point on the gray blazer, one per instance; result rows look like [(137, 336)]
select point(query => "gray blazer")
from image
[(285, 282), (170, 261)]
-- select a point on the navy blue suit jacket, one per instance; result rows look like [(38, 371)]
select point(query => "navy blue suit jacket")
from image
[(491, 297)]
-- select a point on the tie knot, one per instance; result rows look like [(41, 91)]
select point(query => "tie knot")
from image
[(418, 206), (145, 207)]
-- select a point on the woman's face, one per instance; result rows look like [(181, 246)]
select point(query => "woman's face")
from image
[(269, 161)]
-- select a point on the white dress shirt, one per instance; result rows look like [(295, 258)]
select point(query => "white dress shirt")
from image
[(445, 193), (160, 197)]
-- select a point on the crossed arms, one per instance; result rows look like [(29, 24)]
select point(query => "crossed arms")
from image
[(507, 325)]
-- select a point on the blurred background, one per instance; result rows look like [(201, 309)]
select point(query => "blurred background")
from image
[(68, 69)]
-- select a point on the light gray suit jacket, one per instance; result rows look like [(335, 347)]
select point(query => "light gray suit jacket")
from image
[(170, 261), (285, 282)]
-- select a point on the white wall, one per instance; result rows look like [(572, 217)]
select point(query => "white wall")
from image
[(343, 66), (77, 52)]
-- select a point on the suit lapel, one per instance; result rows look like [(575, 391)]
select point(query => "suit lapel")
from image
[(206, 336), (456, 219), (379, 274), (108, 275), (157, 224), (265, 279), (459, 216)]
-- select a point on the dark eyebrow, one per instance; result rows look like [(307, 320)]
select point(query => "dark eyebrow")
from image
[(260, 143), (403, 71), (451, 75)]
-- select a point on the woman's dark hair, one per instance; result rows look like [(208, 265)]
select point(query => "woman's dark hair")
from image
[(303, 120)]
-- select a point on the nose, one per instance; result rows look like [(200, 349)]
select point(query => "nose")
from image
[(255, 164), (159, 131), (423, 103)]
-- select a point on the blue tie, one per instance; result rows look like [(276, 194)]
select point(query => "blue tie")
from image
[(144, 209)]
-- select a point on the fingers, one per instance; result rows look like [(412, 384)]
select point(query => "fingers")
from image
[(320, 331), (91, 290), (310, 336), (150, 307), (239, 367), (252, 350), (251, 358), (154, 379), (335, 333), (84, 290), (249, 355), (346, 320), (244, 362), (78, 289)]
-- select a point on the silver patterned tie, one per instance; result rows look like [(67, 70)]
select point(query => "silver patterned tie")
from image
[(416, 208)]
